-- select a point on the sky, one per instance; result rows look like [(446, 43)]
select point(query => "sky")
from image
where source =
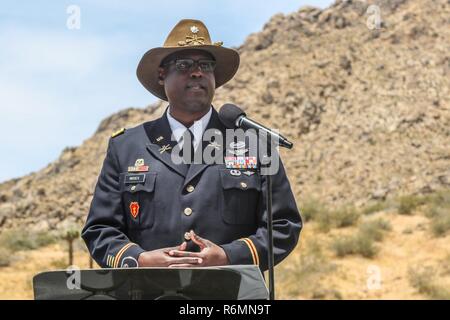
[(66, 65)]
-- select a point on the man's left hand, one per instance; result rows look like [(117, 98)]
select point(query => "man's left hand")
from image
[(211, 254)]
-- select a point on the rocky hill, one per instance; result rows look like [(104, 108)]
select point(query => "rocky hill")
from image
[(368, 109)]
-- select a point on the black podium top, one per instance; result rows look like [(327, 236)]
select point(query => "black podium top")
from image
[(213, 283)]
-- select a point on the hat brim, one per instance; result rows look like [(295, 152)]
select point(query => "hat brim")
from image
[(227, 64)]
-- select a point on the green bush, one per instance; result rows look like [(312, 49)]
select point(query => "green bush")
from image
[(439, 199), (365, 246), (358, 244), (311, 209), (5, 257), (424, 280), (433, 211), (345, 217), (324, 220), (440, 223), (344, 246), (302, 277), (375, 229), (376, 207), (438, 210), (407, 204), (362, 242), (340, 218), (19, 239)]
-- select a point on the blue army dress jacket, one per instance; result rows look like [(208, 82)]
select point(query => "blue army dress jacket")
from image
[(144, 201)]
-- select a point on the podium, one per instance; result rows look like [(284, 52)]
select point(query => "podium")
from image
[(237, 282)]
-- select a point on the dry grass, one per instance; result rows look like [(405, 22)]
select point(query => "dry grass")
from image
[(19, 239), (408, 204), (425, 280), (440, 224), (363, 242), (311, 209), (358, 244), (375, 207), (302, 276), (5, 257), (438, 210)]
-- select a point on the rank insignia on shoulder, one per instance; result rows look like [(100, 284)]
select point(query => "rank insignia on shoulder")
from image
[(118, 133), (240, 162)]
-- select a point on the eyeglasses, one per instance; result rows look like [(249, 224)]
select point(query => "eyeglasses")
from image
[(184, 65)]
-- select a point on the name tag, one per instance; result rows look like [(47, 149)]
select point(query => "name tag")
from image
[(134, 178)]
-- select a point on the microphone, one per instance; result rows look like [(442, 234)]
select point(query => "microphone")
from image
[(234, 117)]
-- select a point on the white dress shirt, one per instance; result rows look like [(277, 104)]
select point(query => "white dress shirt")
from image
[(197, 128)]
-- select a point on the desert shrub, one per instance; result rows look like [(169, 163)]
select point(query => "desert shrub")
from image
[(425, 281), (21, 239), (358, 244), (375, 207), (407, 204)]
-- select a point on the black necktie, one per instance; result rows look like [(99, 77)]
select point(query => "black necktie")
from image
[(188, 143)]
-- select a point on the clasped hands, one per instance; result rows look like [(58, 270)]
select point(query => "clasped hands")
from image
[(177, 257)]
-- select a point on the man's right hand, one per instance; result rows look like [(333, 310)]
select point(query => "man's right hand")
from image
[(161, 257)]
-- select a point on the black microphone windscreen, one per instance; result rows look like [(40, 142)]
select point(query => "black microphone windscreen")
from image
[(229, 113)]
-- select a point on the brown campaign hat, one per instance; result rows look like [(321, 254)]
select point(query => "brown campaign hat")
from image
[(187, 34)]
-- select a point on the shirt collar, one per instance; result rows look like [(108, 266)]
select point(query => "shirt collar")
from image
[(197, 128)]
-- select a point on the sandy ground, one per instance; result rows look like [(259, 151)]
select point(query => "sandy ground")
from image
[(382, 277), (16, 279), (354, 277)]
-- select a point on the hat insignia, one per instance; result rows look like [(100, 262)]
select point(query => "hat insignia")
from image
[(192, 40), (194, 29)]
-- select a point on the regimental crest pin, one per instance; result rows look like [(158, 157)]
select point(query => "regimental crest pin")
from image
[(139, 166)]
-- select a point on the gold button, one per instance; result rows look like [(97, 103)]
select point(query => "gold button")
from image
[(187, 236), (243, 185), (188, 211), (133, 188), (190, 188)]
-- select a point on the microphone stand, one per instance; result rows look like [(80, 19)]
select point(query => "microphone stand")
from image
[(270, 237), (268, 198), (268, 203)]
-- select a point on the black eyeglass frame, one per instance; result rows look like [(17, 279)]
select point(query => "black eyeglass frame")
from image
[(191, 63)]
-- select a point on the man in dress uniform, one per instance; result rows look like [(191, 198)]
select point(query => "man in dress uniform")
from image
[(149, 210)]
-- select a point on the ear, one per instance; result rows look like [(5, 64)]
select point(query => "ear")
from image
[(161, 75)]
